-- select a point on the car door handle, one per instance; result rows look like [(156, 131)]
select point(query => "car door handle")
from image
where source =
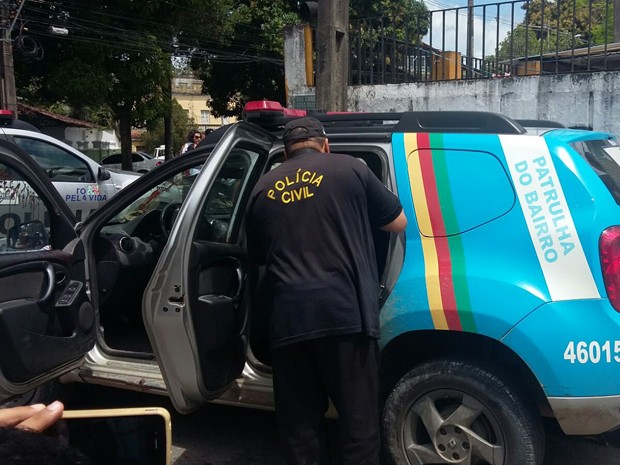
[(230, 261), (239, 270), (51, 284)]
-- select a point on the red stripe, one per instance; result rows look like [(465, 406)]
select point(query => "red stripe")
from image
[(446, 283), (430, 186)]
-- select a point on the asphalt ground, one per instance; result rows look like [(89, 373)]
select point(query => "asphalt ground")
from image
[(223, 435)]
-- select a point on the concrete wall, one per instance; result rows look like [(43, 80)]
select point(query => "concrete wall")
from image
[(591, 100), (588, 100)]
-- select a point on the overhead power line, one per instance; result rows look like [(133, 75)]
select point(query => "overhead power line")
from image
[(121, 38)]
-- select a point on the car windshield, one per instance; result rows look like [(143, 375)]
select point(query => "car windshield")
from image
[(170, 191)]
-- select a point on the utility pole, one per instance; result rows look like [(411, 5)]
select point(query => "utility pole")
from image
[(8, 97), (470, 37), (168, 149), (616, 20), (332, 55)]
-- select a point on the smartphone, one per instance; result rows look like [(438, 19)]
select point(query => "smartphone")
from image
[(126, 436)]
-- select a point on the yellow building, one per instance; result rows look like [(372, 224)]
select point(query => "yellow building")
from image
[(187, 91)]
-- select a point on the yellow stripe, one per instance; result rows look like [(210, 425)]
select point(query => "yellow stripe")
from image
[(431, 261)]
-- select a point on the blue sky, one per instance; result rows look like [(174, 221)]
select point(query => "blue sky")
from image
[(489, 20)]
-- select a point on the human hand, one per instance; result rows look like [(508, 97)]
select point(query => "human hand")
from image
[(37, 417)]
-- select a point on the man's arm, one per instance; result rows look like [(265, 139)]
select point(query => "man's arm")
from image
[(398, 225), (383, 206)]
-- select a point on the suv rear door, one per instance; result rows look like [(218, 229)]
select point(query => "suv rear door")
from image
[(47, 322)]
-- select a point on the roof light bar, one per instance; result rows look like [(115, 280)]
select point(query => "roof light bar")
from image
[(269, 113), (7, 114)]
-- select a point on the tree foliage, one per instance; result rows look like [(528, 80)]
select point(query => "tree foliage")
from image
[(256, 71), (406, 19), (117, 54), (181, 124), (574, 19), (550, 26), (261, 28), (523, 42)]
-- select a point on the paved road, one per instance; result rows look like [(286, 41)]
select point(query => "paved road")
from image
[(220, 435)]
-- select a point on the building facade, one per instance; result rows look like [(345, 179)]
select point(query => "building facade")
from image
[(187, 91)]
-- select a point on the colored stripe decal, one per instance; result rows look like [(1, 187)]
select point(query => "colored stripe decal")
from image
[(439, 233), (428, 245), (457, 253), (428, 175), (548, 218)]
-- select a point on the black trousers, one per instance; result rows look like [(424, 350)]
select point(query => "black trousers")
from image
[(344, 369)]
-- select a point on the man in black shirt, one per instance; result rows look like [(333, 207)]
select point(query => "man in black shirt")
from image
[(310, 222)]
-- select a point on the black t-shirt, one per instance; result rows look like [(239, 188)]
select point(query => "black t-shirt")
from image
[(309, 221)]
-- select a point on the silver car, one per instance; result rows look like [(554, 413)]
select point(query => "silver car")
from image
[(141, 161)]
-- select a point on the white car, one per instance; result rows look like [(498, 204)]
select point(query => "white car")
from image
[(83, 183), (141, 162)]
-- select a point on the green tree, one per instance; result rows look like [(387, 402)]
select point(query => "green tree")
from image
[(384, 34), (181, 124), (253, 66), (407, 19), (523, 42), (550, 26), (574, 19), (117, 54)]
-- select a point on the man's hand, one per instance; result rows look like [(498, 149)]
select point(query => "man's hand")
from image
[(35, 418)]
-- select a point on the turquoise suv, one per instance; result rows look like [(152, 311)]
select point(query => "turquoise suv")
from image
[(500, 302)]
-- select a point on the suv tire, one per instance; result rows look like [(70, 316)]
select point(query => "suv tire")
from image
[(451, 411)]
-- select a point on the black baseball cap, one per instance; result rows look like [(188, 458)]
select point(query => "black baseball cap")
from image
[(302, 129)]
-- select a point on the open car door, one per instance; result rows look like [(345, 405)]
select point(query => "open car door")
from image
[(47, 322), (194, 307)]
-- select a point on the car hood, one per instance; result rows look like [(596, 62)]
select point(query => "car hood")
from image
[(123, 178)]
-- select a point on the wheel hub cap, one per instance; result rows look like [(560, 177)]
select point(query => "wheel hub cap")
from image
[(452, 443)]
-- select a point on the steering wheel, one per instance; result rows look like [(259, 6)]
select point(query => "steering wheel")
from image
[(167, 217)]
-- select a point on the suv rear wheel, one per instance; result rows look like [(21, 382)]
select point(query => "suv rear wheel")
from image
[(456, 412)]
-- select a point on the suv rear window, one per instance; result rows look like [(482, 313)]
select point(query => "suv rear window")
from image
[(604, 157)]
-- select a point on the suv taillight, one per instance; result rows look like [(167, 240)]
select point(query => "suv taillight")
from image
[(609, 249)]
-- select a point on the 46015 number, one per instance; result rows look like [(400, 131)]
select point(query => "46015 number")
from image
[(592, 352)]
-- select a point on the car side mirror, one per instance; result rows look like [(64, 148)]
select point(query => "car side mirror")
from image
[(27, 236), (103, 174)]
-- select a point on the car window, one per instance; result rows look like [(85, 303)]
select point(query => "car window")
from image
[(59, 164), (111, 159), (24, 217), (168, 192), (604, 157), (154, 212), (222, 210), (135, 157)]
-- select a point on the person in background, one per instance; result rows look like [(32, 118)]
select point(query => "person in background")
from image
[(310, 223), (193, 138)]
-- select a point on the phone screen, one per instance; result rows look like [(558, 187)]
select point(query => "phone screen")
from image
[(119, 440)]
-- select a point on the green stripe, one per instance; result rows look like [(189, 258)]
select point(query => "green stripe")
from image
[(457, 253)]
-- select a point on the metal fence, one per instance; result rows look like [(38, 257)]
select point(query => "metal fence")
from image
[(514, 38)]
